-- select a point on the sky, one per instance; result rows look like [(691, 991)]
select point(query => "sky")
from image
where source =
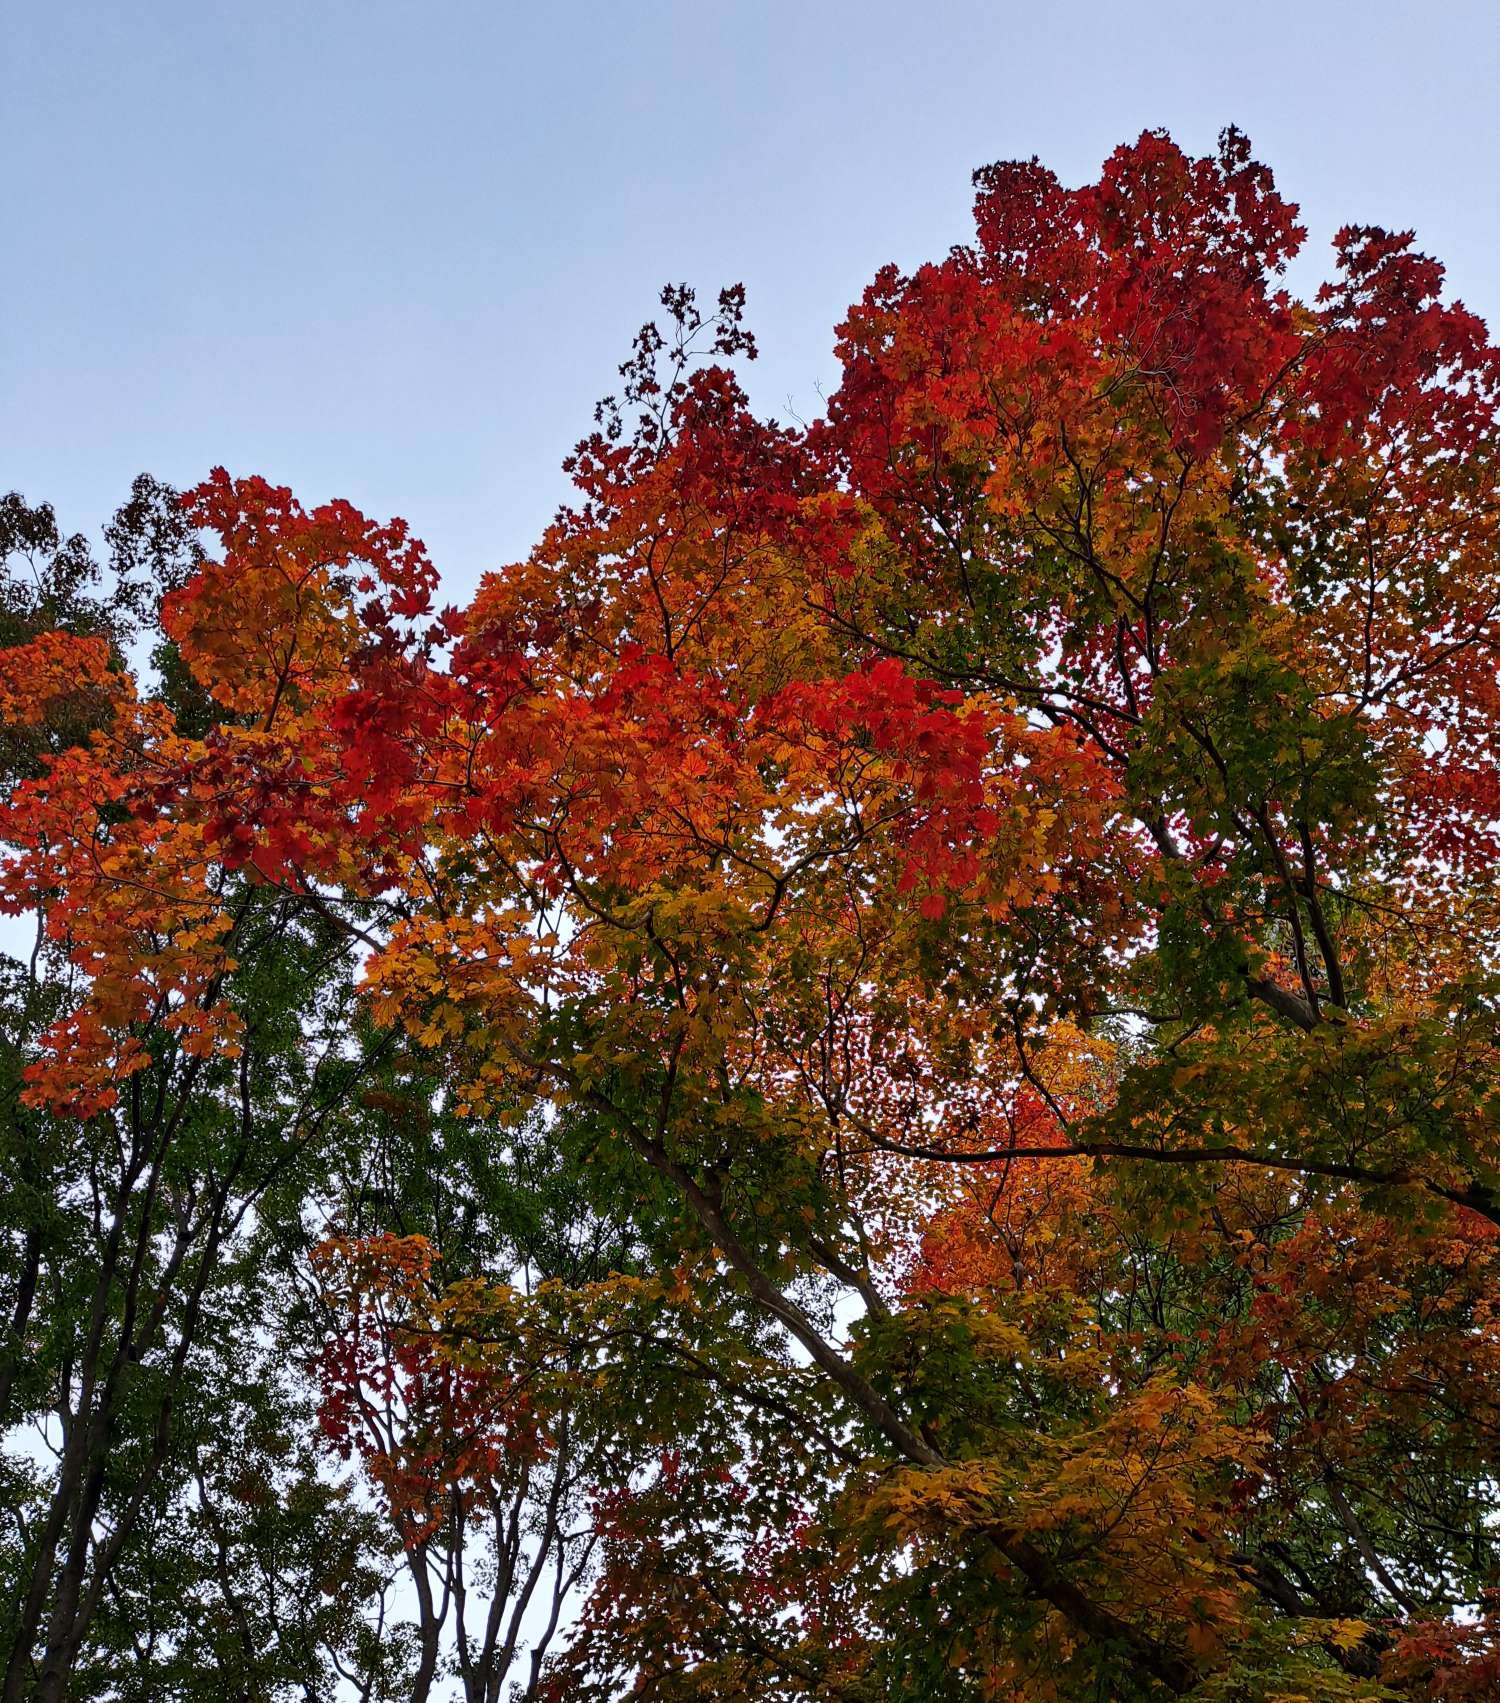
[(395, 251)]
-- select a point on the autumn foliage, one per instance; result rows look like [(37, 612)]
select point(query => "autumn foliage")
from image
[(998, 886)]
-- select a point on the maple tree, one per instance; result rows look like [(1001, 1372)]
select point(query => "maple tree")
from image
[(997, 887)]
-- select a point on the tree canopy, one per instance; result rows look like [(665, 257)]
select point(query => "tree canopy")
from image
[(926, 984)]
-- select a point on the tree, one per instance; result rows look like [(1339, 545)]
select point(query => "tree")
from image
[(165, 1525), (193, 1101), (1000, 884), (480, 1470)]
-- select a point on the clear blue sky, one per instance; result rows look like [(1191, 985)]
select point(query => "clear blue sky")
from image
[(395, 251)]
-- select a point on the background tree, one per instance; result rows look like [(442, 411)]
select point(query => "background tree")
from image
[(482, 1472), (193, 1101), (169, 1533)]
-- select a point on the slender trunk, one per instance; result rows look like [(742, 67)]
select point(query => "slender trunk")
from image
[(77, 1419), (14, 1352), (75, 1594), (429, 1625)]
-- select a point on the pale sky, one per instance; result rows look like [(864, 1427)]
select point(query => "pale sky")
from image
[(394, 251)]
